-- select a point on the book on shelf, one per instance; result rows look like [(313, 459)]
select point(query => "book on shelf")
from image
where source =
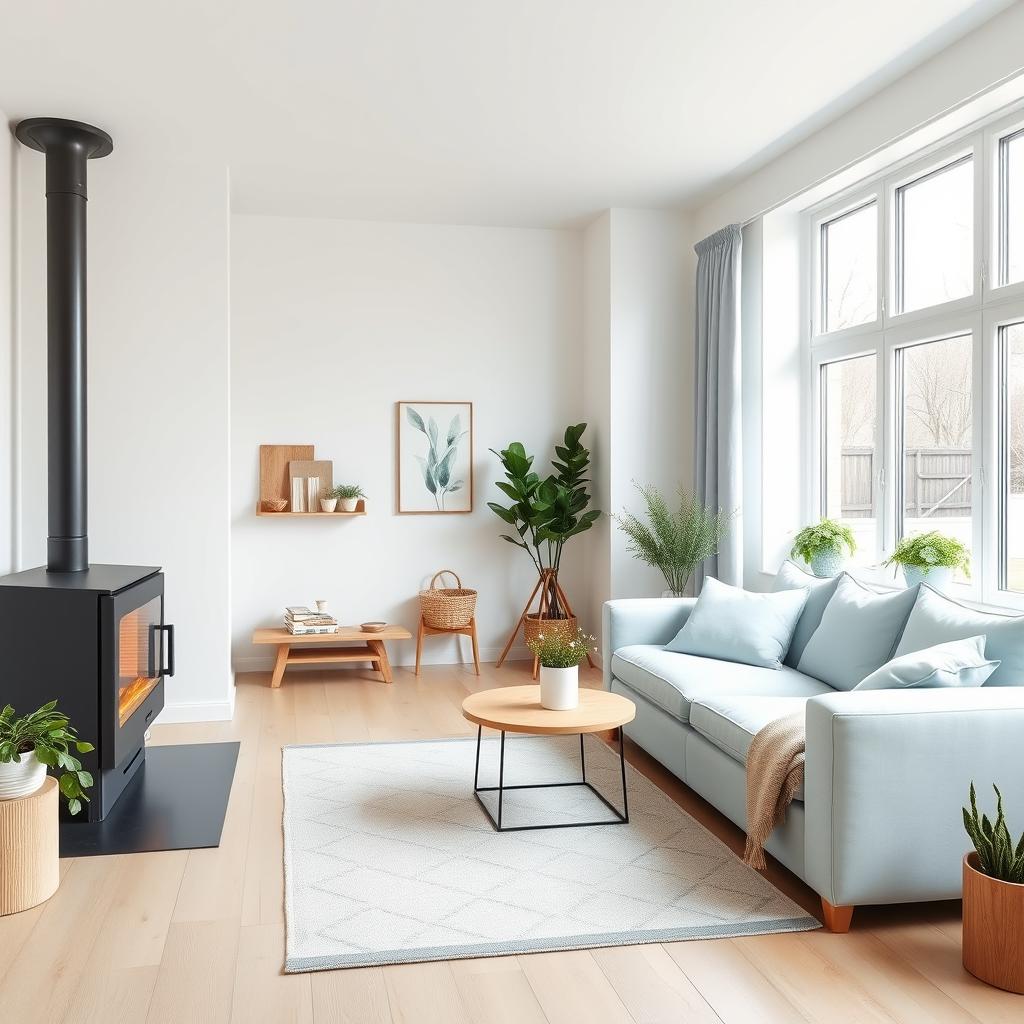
[(320, 620), (302, 630), (300, 613)]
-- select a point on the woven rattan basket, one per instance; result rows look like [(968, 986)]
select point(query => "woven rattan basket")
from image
[(534, 626), (447, 607)]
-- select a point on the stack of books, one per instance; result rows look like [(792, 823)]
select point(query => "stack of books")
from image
[(301, 620)]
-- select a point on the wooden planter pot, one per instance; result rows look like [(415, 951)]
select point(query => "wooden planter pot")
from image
[(29, 869), (993, 940)]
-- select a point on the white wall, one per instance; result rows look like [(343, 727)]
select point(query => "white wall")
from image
[(158, 394), (638, 369), (333, 322), (7, 349)]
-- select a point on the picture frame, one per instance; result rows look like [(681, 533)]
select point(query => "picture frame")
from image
[(434, 457)]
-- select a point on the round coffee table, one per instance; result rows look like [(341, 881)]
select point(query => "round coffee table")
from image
[(518, 709)]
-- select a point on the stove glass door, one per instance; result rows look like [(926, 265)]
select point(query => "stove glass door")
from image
[(139, 656)]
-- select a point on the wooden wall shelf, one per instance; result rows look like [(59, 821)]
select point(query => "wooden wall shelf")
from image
[(360, 511)]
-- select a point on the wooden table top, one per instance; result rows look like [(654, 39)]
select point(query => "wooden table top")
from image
[(517, 709), (345, 634)]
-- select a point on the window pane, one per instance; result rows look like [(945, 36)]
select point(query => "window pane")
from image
[(849, 257), (935, 237), (1013, 442), (849, 467), (1011, 205), (937, 441)]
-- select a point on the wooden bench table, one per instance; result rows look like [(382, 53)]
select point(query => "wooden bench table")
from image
[(322, 648)]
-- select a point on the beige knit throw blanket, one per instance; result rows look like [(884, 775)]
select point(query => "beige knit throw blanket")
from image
[(775, 773)]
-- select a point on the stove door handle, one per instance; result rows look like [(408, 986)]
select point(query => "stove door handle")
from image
[(168, 669)]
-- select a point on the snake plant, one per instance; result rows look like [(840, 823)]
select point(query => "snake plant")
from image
[(997, 854)]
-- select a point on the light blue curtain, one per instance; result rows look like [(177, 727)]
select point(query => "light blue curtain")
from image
[(718, 456)]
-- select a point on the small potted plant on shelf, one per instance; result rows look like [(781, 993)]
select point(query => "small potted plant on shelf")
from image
[(347, 495), (821, 547), (31, 744), (673, 541), (930, 558), (993, 894), (560, 659)]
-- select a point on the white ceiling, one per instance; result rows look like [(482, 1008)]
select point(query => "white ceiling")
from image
[(527, 112)]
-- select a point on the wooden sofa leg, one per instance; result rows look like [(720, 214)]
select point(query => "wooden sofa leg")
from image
[(836, 919)]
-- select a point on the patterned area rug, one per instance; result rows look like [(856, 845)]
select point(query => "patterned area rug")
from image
[(389, 858)]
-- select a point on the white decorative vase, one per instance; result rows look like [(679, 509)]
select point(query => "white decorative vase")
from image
[(328, 504), (21, 778), (827, 563), (349, 504), (938, 576), (559, 688)]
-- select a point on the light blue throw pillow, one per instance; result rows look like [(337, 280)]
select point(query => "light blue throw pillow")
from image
[(819, 592), (857, 634), (736, 625), (935, 619), (956, 663)]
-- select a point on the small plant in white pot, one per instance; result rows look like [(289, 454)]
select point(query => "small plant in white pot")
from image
[(674, 541), (560, 658), (31, 744), (930, 558), (347, 495), (821, 547)]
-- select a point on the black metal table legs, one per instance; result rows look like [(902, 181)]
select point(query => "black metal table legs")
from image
[(621, 817)]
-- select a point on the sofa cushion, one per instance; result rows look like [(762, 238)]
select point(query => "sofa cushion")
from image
[(732, 722), (954, 663), (936, 619), (857, 634), (672, 681), (819, 591), (732, 624)]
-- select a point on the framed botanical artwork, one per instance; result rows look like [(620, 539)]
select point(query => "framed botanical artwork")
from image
[(435, 457)]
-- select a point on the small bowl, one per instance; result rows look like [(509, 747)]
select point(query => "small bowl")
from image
[(372, 627), (275, 505)]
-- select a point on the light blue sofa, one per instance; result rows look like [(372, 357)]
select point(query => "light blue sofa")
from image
[(878, 820)]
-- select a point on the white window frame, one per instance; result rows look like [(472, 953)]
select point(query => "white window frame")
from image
[(981, 314)]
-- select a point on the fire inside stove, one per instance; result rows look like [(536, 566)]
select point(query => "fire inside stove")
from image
[(135, 683)]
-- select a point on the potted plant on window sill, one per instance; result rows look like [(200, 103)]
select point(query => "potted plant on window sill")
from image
[(821, 547), (31, 744), (347, 495), (993, 900), (560, 659), (930, 558), (673, 541)]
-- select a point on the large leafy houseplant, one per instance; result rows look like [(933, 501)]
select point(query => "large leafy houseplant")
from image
[(49, 735), (546, 512), (675, 541)]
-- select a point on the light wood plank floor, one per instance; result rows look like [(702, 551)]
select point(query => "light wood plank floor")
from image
[(199, 936)]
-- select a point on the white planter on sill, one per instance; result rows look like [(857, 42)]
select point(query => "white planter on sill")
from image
[(559, 688), (938, 576), (21, 778), (349, 504), (328, 504)]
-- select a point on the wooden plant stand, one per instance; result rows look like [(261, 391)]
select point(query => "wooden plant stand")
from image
[(547, 579), (29, 868), (322, 648), (468, 630)]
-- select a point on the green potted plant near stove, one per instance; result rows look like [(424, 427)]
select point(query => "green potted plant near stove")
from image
[(560, 657), (673, 541), (930, 558), (821, 547), (32, 743), (993, 892), (346, 495)]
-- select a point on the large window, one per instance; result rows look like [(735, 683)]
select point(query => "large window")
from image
[(916, 351)]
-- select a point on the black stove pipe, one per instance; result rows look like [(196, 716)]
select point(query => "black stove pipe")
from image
[(67, 145)]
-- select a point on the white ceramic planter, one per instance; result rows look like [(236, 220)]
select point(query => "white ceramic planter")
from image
[(21, 778), (828, 563), (938, 576), (349, 504), (328, 504), (559, 688)]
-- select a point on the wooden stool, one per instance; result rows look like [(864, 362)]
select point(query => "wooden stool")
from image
[(29, 849), (468, 630)]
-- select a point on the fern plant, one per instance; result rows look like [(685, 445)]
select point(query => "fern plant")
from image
[(674, 541), (997, 855), (931, 550), (821, 538)]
